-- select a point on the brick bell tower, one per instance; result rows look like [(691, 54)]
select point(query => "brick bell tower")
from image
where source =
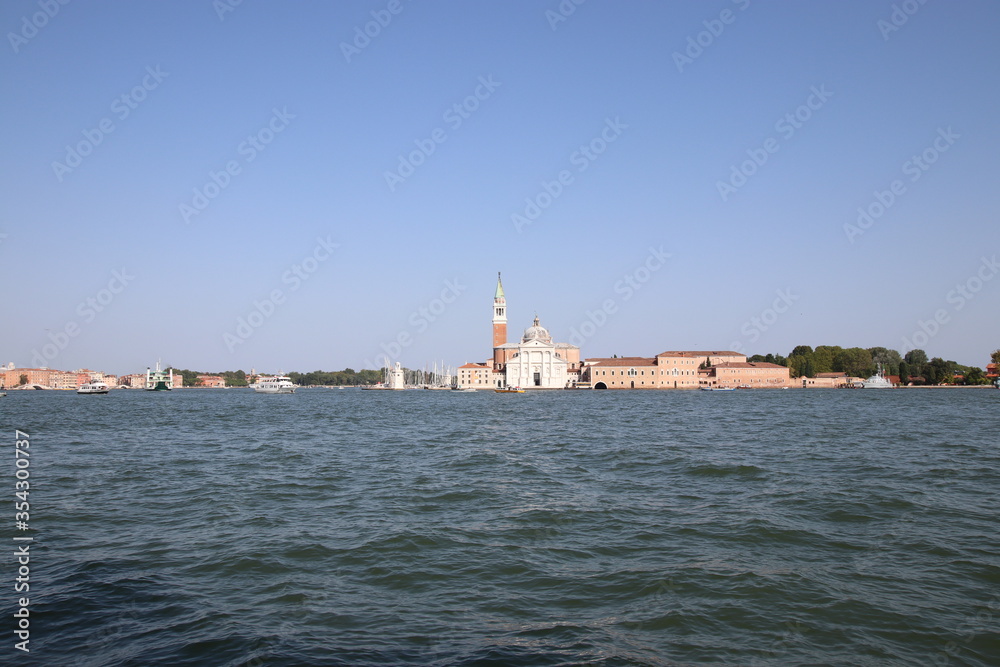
[(499, 316)]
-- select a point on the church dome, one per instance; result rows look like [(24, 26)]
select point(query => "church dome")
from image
[(536, 332)]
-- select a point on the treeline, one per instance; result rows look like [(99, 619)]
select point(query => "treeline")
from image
[(862, 362), (232, 378), (346, 377)]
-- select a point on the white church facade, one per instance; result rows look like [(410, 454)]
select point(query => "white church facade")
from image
[(536, 362)]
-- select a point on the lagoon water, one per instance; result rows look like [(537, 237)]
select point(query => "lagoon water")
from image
[(340, 527)]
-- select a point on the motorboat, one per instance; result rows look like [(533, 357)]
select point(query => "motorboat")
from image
[(279, 384), (93, 387)]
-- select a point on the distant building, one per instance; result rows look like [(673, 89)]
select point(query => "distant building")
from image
[(477, 376), (134, 380), (683, 369), (40, 376), (826, 381), (752, 375), (991, 371), (212, 381), (625, 373), (534, 363), (64, 379)]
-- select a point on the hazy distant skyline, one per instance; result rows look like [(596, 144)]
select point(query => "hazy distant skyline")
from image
[(309, 186)]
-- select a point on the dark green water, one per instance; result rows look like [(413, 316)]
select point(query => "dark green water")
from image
[(341, 527)]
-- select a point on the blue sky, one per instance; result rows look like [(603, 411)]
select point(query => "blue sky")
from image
[(224, 189)]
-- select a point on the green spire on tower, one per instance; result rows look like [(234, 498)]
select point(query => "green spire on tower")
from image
[(499, 292)]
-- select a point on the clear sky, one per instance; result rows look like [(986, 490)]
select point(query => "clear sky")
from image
[(266, 185)]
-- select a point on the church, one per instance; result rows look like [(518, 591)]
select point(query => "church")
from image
[(533, 363)]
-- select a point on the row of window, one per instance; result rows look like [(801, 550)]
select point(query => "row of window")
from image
[(632, 372)]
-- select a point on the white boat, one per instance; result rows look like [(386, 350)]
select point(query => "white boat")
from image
[(718, 388), (279, 384), (877, 381), (93, 387), (159, 380), (464, 389)]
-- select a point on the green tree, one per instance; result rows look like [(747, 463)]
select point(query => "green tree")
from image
[(975, 375), (810, 369), (939, 371), (855, 361), (189, 378), (995, 357), (823, 358), (904, 372), (802, 350), (797, 364), (889, 359), (234, 378), (916, 358), (22, 380)]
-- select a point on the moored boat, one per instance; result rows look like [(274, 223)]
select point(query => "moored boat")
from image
[(877, 381), (509, 390)]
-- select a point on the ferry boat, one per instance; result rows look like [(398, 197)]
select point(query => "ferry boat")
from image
[(510, 390), (93, 387), (159, 380), (279, 384), (877, 381), (718, 388)]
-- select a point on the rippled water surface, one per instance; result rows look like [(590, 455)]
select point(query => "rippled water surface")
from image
[(340, 527)]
